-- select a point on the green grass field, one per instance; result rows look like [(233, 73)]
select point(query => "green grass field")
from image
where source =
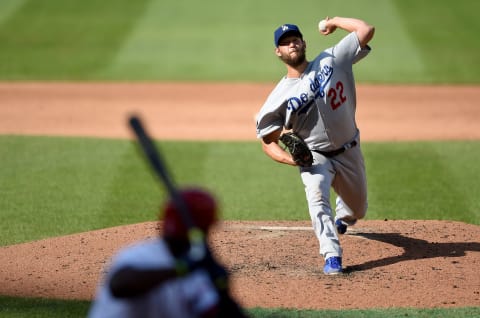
[(56, 186), (45, 308), (224, 40)]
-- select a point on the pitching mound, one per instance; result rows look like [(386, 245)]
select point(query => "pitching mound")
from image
[(276, 264)]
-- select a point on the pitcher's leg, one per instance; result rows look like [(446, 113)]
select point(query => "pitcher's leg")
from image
[(351, 186), (317, 180), (344, 213), (325, 231)]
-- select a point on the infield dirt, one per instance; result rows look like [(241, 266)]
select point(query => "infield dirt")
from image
[(274, 264)]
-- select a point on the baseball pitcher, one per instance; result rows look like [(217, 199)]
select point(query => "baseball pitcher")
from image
[(316, 103)]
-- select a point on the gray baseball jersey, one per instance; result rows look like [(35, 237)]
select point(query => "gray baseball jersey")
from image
[(320, 106)]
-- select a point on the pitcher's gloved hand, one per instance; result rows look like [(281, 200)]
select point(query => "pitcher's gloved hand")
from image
[(298, 148)]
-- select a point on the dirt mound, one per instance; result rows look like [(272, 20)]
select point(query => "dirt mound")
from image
[(276, 264)]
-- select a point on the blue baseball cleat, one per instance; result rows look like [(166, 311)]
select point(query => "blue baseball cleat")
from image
[(341, 226), (333, 266)]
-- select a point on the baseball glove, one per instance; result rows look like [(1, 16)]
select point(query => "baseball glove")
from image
[(297, 147)]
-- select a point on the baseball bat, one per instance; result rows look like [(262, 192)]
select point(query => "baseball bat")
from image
[(153, 156)]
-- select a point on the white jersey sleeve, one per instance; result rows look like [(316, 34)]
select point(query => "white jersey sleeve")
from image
[(348, 50), (272, 115)]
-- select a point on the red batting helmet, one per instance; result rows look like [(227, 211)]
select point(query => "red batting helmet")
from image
[(203, 211)]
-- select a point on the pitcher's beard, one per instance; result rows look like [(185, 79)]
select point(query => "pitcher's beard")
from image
[(294, 61)]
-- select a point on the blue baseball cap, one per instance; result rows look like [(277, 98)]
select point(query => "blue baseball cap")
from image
[(283, 30)]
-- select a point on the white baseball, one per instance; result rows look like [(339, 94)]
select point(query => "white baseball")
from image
[(322, 25)]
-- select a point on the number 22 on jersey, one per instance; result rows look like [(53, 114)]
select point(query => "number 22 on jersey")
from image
[(336, 95)]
